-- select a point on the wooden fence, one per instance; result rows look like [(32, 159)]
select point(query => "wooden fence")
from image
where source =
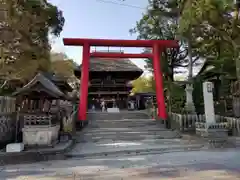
[(187, 122), (235, 90)]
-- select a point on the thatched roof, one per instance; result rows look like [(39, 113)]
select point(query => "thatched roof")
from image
[(41, 84), (112, 65)]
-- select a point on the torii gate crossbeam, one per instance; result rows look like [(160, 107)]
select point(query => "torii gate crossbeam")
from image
[(157, 47)]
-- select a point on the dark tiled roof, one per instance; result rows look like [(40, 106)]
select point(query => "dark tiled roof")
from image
[(53, 77), (58, 80), (48, 85), (104, 64)]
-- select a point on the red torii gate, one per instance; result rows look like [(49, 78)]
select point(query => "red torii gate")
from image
[(156, 45)]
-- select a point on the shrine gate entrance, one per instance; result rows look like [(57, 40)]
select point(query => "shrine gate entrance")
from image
[(157, 47)]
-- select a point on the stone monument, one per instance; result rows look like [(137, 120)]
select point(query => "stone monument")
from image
[(216, 132), (189, 105)]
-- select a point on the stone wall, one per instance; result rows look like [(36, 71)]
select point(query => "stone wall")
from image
[(7, 120), (7, 128)]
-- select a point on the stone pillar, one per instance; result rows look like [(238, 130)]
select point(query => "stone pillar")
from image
[(216, 132), (208, 103), (189, 105)]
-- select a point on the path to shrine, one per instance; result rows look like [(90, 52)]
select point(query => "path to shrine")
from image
[(134, 149)]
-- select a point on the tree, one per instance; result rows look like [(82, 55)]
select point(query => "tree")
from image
[(24, 44), (215, 30), (142, 85), (160, 22), (62, 65)]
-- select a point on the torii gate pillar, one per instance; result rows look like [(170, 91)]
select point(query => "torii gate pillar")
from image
[(157, 47)]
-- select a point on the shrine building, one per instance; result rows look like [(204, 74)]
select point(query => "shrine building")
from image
[(110, 79)]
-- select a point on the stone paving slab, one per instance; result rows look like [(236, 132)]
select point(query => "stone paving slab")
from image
[(36, 154), (207, 165)]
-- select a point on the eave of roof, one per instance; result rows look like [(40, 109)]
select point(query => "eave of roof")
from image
[(45, 82)]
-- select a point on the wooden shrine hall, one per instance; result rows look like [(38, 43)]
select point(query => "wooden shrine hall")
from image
[(110, 80)]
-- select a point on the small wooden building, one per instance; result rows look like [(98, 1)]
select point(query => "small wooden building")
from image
[(40, 111)]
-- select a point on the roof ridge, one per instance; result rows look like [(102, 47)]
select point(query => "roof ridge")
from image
[(113, 64)]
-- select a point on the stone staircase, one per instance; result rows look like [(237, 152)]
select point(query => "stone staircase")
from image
[(125, 126), (125, 133), (113, 116)]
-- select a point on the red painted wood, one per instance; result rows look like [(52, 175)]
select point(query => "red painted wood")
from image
[(82, 108), (157, 45), (159, 82), (119, 43), (119, 55)]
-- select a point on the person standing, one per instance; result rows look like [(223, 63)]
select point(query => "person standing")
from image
[(103, 104)]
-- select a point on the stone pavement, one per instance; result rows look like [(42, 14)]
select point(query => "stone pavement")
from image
[(130, 148), (207, 165), (36, 154)]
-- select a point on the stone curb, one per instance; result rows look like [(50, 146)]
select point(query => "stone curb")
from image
[(137, 152), (35, 156)]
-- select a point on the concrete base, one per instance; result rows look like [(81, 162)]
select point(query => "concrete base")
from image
[(113, 110), (217, 134), (189, 107), (15, 147), (40, 135), (212, 130)]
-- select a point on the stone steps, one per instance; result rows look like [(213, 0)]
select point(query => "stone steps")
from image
[(114, 116), (128, 132), (126, 123), (111, 135), (123, 152), (116, 130), (128, 138), (113, 125), (131, 131)]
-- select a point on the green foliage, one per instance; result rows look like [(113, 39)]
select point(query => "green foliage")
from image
[(160, 22), (196, 12), (214, 30), (62, 65), (176, 97), (198, 95), (25, 36), (142, 85)]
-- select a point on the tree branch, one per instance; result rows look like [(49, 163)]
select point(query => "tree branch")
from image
[(4, 84)]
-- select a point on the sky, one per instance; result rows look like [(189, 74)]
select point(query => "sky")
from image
[(98, 19), (106, 19)]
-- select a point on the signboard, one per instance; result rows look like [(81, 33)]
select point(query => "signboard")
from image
[(209, 87)]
